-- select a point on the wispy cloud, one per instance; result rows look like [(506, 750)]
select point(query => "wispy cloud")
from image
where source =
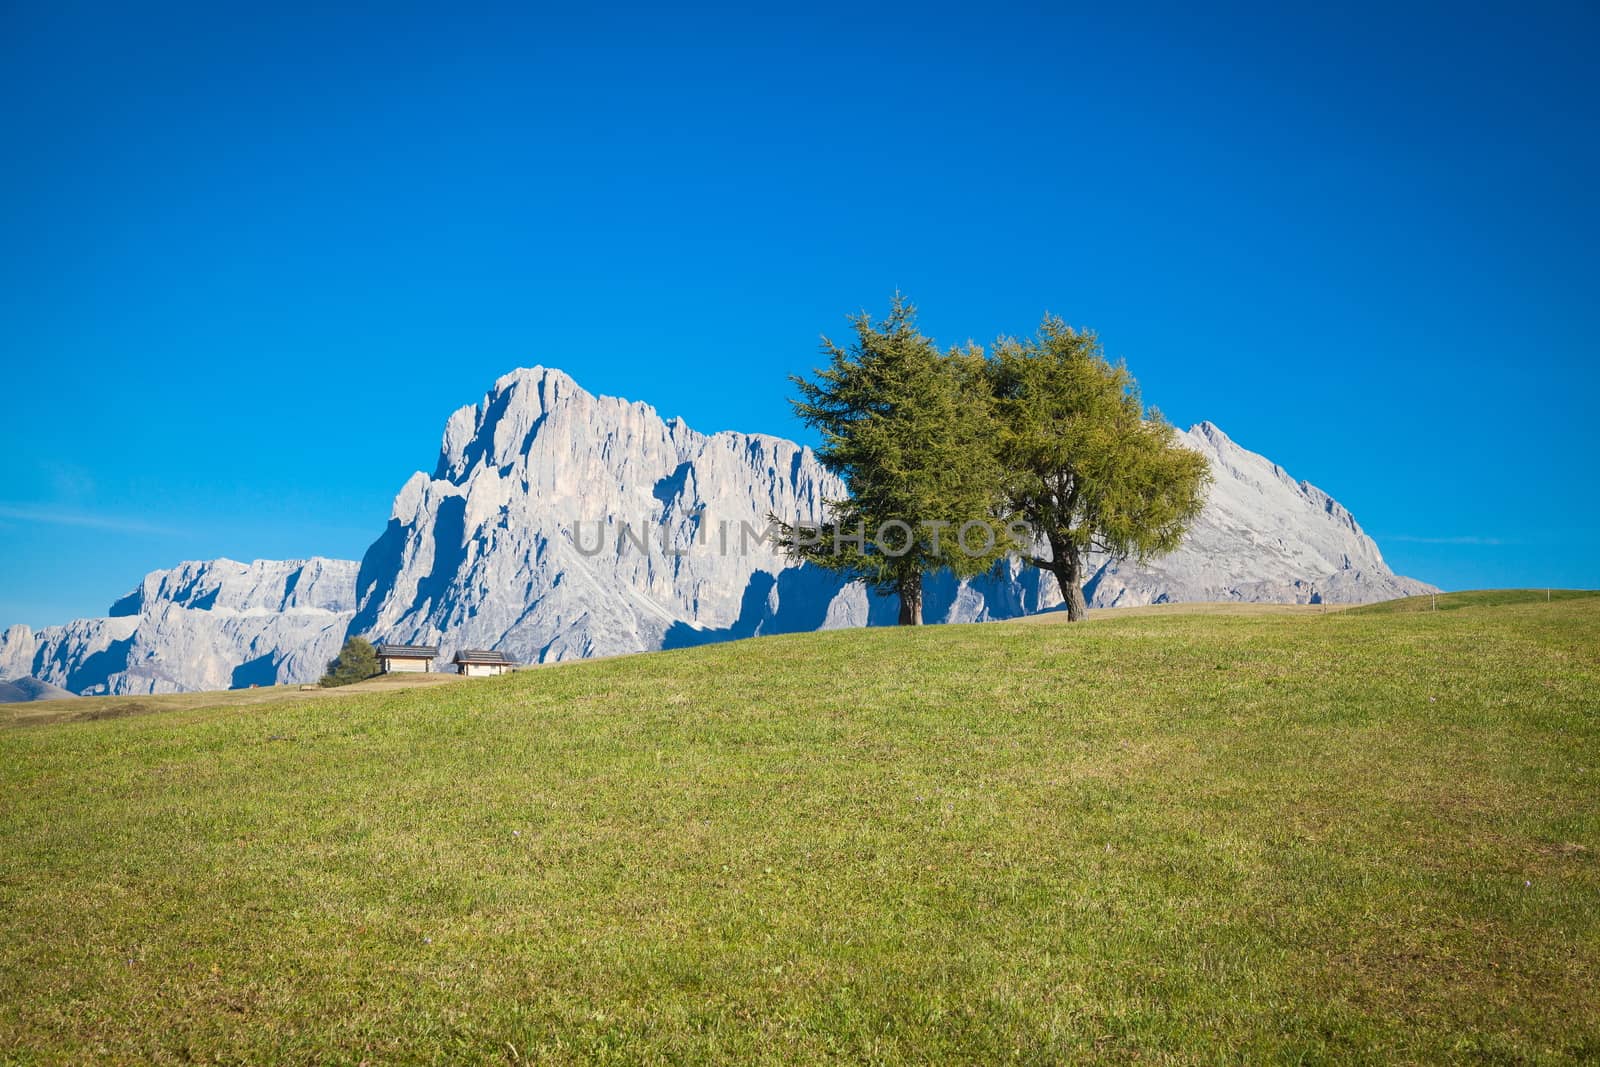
[(71, 481), (83, 519), (1414, 540)]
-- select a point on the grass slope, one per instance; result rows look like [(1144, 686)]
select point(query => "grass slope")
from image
[(1475, 598), (1165, 838), (85, 709)]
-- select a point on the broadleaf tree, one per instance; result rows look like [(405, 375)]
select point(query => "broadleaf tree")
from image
[(908, 428), (1087, 467), (356, 660)]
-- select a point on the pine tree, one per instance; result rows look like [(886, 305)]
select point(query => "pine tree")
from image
[(1086, 466), (909, 430)]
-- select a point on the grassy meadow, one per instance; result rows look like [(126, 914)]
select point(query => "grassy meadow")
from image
[(1168, 837), (87, 709)]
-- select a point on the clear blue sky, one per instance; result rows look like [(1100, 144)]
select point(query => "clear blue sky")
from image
[(1363, 243)]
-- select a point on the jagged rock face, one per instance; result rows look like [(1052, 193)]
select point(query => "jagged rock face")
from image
[(201, 625), (541, 530), (527, 538)]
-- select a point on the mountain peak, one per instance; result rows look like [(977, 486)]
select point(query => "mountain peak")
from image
[(536, 375), (1209, 431)]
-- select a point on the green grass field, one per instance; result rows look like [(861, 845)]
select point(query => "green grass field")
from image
[(1170, 837), (86, 709)]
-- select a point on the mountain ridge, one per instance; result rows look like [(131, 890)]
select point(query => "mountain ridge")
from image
[(490, 552), (203, 624)]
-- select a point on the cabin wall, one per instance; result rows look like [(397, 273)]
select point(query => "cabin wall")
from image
[(481, 670), (405, 666)]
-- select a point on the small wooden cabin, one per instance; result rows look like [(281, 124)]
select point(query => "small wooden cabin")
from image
[(406, 659), (481, 663)]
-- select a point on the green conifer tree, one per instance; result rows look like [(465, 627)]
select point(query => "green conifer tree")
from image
[(909, 430)]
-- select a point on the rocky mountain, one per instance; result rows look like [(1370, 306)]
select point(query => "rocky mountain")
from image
[(557, 525), (211, 625), (1262, 537), (486, 553)]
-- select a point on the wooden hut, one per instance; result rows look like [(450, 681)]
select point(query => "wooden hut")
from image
[(481, 663), (406, 659)]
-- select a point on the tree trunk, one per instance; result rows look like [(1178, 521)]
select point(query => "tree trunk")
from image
[(911, 600), (1067, 565)]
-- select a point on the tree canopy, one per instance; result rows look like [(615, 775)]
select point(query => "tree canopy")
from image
[(1086, 465), (356, 660), (909, 430), (1041, 443)]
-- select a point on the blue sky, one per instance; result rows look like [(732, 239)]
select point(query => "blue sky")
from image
[(1363, 242)]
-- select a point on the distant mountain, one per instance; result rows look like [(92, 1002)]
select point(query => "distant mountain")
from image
[(26, 690), (201, 625), (526, 538)]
